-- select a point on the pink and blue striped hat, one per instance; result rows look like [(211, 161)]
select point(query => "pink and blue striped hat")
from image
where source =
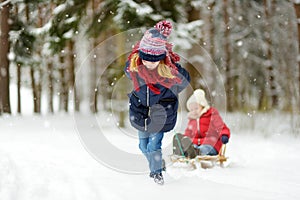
[(153, 44)]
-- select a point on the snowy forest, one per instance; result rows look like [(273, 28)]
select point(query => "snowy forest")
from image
[(65, 129), (71, 54)]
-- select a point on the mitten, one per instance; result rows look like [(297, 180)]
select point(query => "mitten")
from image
[(224, 139)]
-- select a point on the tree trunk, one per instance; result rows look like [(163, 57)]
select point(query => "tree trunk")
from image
[(212, 31), (71, 62), (262, 100), (19, 87), (4, 62), (50, 68), (228, 84), (19, 65), (34, 95), (32, 71), (297, 9), (193, 14), (93, 81), (63, 105), (94, 74), (40, 71), (121, 94), (50, 86), (237, 87), (39, 91), (270, 68)]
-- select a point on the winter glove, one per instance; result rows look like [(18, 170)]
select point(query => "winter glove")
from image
[(224, 139)]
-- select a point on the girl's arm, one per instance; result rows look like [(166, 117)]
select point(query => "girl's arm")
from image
[(184, 76), (219, 124)]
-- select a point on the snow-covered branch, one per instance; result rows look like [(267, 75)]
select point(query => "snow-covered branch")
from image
[(5, 3)]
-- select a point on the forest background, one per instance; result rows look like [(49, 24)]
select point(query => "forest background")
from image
[(70, 54)]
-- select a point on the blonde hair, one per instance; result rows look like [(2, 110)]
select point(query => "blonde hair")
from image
[(162, 69)]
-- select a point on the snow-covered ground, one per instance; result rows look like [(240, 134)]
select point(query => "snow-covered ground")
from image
[(44, 157)]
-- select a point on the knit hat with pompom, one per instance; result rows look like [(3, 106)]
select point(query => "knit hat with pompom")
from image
[(198, 97), (152, 47)]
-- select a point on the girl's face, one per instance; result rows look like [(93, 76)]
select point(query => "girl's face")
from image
[(195, 107), (150, 65)]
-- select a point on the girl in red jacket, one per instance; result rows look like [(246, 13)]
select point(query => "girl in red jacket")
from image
[(205, 130)]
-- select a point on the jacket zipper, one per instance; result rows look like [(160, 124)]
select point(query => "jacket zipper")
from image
[(147, 101), (147, 96), (198, 129)]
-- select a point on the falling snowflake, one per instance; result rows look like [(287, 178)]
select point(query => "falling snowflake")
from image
[(239, 43)]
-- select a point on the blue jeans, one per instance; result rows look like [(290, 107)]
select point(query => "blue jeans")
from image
[(206, 149), (150, 145)]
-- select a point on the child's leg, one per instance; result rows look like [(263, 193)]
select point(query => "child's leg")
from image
[(154, 152), (144, 139), (207, 150), (188, 147), (177, 146), (150, 145), (183, 146)]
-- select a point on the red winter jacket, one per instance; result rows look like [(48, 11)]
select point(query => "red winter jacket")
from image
[(208, 129)]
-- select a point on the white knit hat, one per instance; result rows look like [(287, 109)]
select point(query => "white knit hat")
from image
[(198, 97)]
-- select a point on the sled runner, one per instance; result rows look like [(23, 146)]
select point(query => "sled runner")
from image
[(184, 152), (205, 161)]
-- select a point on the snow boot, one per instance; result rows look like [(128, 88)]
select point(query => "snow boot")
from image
[(158, 178), (189, 150), (152, 174), (177, 146)]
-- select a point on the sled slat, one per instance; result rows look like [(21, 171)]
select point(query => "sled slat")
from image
[(221, 158)]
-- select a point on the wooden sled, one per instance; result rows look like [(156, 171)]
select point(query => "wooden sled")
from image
[(205, 161)]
